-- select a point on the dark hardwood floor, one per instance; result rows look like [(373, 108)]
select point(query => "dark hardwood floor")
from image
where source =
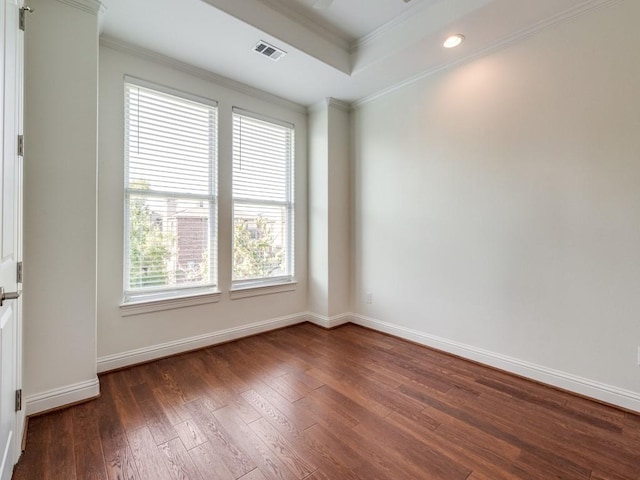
[(315, 404)]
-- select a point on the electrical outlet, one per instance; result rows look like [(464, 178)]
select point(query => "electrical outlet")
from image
[(368, 298)]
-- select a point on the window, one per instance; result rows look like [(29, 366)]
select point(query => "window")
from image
[(170, 192), (263, 205)]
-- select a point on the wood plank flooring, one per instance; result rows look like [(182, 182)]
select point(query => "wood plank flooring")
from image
[(315, 404)]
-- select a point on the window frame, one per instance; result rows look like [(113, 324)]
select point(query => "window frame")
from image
[(246, 287), (164, 297)]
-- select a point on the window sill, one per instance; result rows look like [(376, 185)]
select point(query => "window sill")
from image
[(156, 305), (257, 290)]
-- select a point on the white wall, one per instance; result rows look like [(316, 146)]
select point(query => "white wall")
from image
[(497, 206), (61, 103), (496, 210), (127, 339)]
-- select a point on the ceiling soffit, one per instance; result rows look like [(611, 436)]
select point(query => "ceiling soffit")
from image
[(321, 63), (285, 28)]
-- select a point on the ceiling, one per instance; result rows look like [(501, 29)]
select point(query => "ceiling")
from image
[(350, 51), (348, 19)]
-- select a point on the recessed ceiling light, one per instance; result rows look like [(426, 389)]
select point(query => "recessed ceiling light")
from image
[(453, 41)]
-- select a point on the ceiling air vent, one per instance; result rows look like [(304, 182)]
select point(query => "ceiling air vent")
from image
[(274, 53)]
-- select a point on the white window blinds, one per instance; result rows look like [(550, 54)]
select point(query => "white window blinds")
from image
[(170, 207), (263, 207)]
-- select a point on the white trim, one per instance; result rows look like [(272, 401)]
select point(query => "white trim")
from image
[(94, 7), (397, 23), (338, 104), (153, 352), (328, 322), (160, 304), (125, 47), (572, 383), (333, 35), (257, 290), (59, 397), (566, 381), (494, 47), (327, 102)]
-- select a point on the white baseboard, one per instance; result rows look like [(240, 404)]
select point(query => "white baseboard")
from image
[(328, 322), (59, 397), (566, 381), (145, 354)]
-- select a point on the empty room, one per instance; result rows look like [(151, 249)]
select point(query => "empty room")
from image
[(320, 239)]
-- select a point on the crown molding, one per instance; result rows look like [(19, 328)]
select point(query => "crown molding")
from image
[(397, 23), (207, 75), (332, 35), (338, 104), (94, 7), (512, 39), (325, 103)]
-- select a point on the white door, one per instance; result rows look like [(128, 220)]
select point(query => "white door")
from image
[(11, 59)]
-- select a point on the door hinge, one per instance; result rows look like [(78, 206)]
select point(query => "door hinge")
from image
[(21, 145), (19, 272), (23, 13), (18, 400)]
